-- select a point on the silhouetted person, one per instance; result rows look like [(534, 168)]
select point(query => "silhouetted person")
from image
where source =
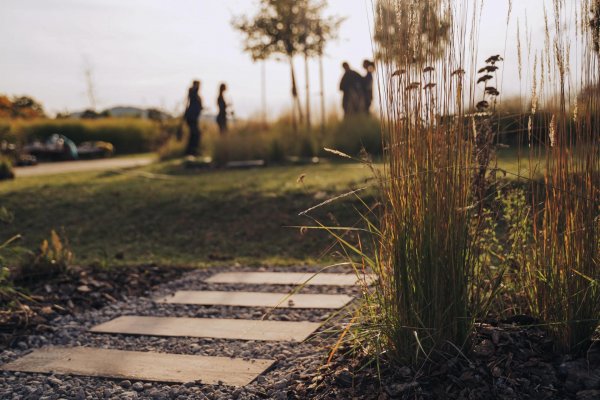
[(222, 116), (352, 87), (192, 114), (369, 66)]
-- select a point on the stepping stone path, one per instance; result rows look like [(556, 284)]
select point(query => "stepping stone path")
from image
[(207, 369), (141, 365), (255, 299), (290, 278), (243, 329)]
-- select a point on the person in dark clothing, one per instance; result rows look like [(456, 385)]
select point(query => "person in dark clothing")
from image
[(351, 86), (369, 66), (191, 116), (222, 116)]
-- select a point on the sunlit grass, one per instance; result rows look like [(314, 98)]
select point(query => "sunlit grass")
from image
[(561, 270), (519, 165), (454, 233), (171, 216), (430, 289)]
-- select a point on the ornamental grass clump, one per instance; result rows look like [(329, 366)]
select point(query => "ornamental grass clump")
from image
[(456, 242), (561, 270), (429, 292)]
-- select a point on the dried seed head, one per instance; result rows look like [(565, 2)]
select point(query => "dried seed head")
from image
[(492, 91), (552, 131), (529, 130), (413, 86), (494, 59), (485, 78), (534, 94), (482, 105)]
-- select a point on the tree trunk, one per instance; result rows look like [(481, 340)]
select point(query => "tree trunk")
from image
[(294, 94), (322, 94), (296, 108), (264, 92), (307, 77)]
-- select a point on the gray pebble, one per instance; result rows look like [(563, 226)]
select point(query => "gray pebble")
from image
[(54, 381), (71, 330), (80, 395)]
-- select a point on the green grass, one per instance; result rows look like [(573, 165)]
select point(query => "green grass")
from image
[(516, 163), (163, 214), (167, 215)]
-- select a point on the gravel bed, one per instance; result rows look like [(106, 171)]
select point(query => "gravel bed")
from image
[(295, 362)]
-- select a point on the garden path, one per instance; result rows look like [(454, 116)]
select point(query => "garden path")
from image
[(236, 370), (65, 167)]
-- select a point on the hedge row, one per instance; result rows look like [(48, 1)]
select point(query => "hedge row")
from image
[(127, 135)]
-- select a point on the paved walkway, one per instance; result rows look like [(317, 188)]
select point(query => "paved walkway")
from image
[(80, 166)]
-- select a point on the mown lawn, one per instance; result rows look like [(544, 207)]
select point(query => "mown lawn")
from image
[(166, 215)]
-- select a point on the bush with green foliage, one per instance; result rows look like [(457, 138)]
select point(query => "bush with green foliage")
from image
[(53, 258), (128, 135), (276, 142), (7, 287), (353, 134), (6, 169)]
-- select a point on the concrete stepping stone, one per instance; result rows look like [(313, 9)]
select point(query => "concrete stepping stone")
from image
[(287, 278), (242, 329), (257, 299), (135, 365)]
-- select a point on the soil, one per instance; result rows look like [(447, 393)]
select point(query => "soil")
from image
[(508, 362), (78, 290), (510, 359)]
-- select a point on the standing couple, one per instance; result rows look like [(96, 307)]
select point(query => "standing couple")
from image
[(192, 115), (357, 90)]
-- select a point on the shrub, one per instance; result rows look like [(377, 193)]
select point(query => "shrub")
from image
[(53, 258), (7, 289), (171, 149), (128, 135), (353, 134), (276, 142), (239, 147), (5, 129), (6, 169), (251, 140)]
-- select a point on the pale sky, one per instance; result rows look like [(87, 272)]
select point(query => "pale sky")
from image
[(146, 52)]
